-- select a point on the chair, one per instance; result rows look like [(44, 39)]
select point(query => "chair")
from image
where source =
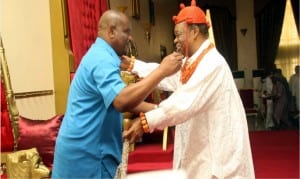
[(248, 102), (239, 79), (24, 137), (11, 107)]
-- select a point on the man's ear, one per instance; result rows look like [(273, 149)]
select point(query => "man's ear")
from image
[(195, 32), (111, 32)]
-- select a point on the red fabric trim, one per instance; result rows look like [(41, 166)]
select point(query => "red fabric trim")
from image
[(7, 139)]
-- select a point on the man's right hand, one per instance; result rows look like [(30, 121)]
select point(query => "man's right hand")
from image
[(171, 63)]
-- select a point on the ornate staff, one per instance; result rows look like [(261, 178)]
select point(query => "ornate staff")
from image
[(122, 168), (127, 148)]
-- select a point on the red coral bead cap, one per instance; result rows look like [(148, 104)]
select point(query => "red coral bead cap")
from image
[(191, 14)]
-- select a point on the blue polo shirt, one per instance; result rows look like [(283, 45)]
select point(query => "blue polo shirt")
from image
[(89, 143)]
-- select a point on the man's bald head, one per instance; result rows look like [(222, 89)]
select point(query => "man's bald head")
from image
[(115, 28), (110, 19)]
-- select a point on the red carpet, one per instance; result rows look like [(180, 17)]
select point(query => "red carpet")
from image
[(275, 155), (148, 157)]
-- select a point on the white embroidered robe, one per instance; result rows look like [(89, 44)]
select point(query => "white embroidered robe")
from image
[(211, 135)]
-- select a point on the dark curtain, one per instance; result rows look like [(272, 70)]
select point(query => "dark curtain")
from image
[(83, 22), (295, 6), (269, 20), (224, 29)]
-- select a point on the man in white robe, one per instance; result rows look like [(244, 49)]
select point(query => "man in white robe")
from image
[(294, 84), (266, 93), (211, 135)]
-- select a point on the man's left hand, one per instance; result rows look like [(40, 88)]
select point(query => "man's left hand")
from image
[(135, 132)]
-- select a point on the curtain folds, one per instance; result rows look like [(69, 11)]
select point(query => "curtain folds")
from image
[(268, 29), (83, 22), (224, 29)]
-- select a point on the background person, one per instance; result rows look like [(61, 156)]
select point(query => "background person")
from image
[(282, 100), (294, 86), (267, 87)]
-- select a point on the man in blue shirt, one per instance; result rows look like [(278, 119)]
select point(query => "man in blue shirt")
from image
[(89, 143)]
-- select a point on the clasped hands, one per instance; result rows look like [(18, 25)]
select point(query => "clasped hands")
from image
[(135, 131)]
